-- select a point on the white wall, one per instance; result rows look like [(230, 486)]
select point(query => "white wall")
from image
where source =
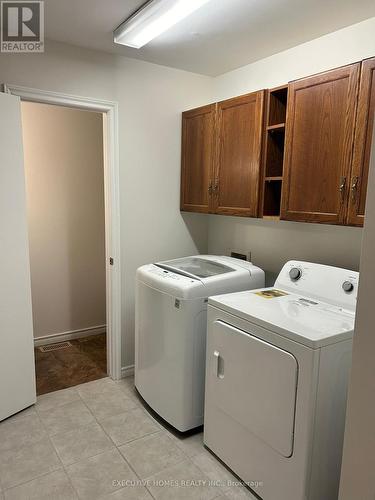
[(273, 243), (63, 155), (151, 99), (345, 46)]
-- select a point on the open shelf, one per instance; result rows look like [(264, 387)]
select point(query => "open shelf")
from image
[(278, 126), (274, 152), (271, 217), (278, 98), (273, 157), (272, 198), (275, 178)]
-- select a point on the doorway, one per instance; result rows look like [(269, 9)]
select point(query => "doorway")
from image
[(92, 340), (64, 172)]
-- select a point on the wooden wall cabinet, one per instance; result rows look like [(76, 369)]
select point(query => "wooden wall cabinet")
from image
[(221, 154), (197, 157), (238, 155), (307, 161), (362, 144), (319, 142)]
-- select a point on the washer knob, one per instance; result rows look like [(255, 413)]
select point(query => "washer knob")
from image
[(348, 286), (295, 273)]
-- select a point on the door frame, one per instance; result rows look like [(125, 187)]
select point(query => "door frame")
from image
[(112, 204)]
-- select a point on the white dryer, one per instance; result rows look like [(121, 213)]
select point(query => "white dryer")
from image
[(170, 330), (278, 362)]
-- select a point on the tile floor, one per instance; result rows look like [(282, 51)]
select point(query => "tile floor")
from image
[(97, 441), (84, 361)]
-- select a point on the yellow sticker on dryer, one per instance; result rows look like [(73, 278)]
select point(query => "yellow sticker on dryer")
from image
[(271, 294)]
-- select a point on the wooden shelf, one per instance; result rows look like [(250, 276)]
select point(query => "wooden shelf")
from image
[(271, 217), (274, 144), (278, 98), (274, 154), (278, 126), (274, 178), (272, 198)]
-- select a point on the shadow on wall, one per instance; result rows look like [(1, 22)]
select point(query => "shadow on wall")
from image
[(272, 243), (197, 226), (85, 228)]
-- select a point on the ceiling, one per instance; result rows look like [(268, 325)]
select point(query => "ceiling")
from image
[(221, 36)]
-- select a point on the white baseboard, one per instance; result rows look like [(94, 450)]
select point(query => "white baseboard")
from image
[(71, 335), (127, 371)]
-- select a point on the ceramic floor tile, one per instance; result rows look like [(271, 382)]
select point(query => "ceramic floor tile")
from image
[(129, 493), (152, 454), (128, 426), (54, 486), (99, 476), (66, 417), (19, 432), (57, 398), (183, 481), (24, 464), (23, 413), (96, 387), (107, 404), (213, 469), (190, 445), (239, 493), (126, 383), (129, 391), (81, 443)]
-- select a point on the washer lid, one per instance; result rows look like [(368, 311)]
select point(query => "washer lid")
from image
[(196, 267), (302, 319)]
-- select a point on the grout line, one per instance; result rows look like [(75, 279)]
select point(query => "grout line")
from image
[(33, 479), (160, 429), (138, 438), (47, 436), (137, 475)]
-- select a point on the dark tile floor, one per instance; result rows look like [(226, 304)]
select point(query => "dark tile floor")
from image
[(84, 361)]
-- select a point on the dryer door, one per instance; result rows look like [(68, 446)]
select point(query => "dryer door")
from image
[(254, 383)]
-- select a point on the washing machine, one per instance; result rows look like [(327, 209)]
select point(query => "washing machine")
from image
[(170, 330), (277, 370)]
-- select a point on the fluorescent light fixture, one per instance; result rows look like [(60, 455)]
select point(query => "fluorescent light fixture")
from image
[(155, 17)]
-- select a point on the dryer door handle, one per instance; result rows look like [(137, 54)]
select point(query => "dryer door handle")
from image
[(218, 365)]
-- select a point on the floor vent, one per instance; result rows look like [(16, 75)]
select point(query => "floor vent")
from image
[(55, 347)]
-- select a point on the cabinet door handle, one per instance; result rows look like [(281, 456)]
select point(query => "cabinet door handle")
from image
[(210, 187), (354, 188), (216, 186), (342, 187)]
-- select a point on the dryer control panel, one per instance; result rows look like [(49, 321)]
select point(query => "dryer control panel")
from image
[(326, 283)]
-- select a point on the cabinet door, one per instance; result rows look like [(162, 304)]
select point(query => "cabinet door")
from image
[(362, 144), (198, 142), (236, 186), (318, 150)]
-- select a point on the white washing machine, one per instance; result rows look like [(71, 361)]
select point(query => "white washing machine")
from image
[(170, 330), (278, 361)]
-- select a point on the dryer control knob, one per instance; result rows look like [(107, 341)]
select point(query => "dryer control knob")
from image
[(348, 286), (295, 273)]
